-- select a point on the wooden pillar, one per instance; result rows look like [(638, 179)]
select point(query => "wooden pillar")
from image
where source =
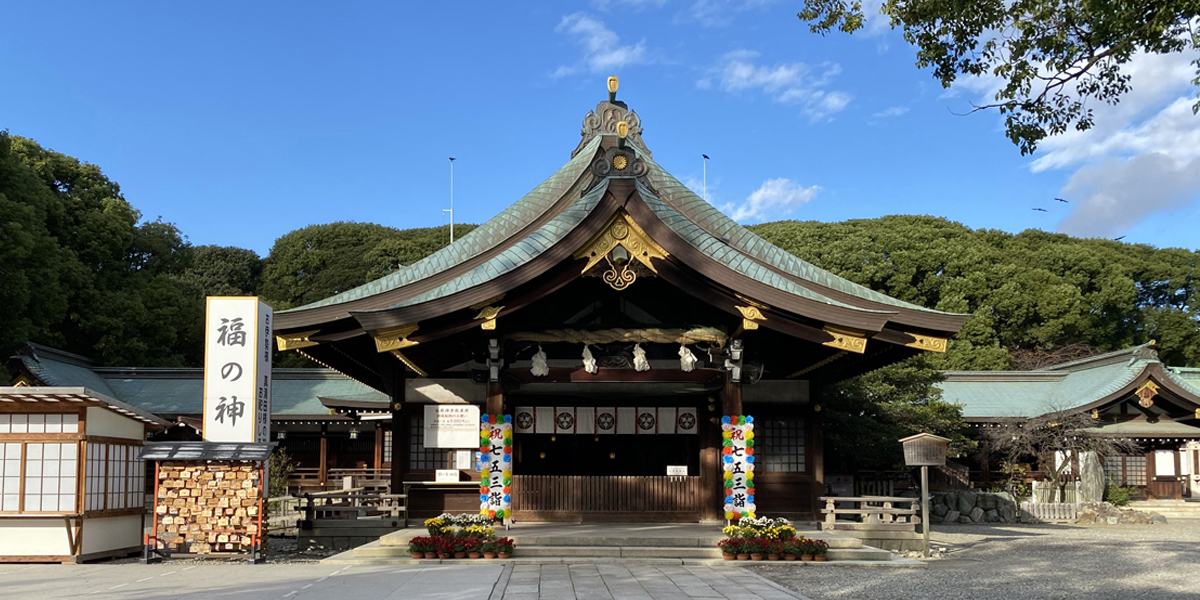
[(731, 397), (323, 467), (378, 463), (816, 449), (711, 488), (1179, 479), (495, 398), (985, 464), (399, 445), (1151, 472)]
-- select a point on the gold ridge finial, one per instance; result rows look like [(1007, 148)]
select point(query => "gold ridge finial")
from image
[(622, 129), (613, 82)]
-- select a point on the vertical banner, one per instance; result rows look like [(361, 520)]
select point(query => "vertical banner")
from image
[(606, 420), (585, 420), (237, 369), (647, 420), (666, 420), (524, 421), (564, 419), (737, 432), (495, 470), (544, 420), (687, 421), (626, 420)]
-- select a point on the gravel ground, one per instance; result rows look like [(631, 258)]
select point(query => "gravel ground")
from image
[(1026, 561)]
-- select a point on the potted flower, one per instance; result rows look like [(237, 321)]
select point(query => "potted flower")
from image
[(445, 547), (806, 550), (729, 548), (504, 547), (774, 549), (435, 526), (472, 546), (820, 547), (489, 549), (758, 549), (416, 547), (791, 548)]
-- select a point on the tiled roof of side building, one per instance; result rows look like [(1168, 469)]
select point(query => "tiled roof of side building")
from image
[(59, 368), (495, 231), (1008, 394)]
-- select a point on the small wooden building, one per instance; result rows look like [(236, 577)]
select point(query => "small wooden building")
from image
[(72, 481), (1130, 393)]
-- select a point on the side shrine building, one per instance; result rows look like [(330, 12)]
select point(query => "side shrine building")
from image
[(608, 322)]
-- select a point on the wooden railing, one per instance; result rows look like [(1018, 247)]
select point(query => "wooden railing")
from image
[(309, 479), (354, 503), (1048, 512), (888, 512), (605, 498)]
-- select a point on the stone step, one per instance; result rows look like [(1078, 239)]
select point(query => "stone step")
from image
[(881, 535), (402, 537), (864, 553)]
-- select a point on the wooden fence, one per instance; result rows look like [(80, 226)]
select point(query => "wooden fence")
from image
[(615, 498), (871, 510)]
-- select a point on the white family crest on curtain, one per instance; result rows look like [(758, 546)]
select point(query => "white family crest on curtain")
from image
[(737, 433), (539, 368), (686, 421), (523, 421), (564, 419), (495, 469), (606, 420)]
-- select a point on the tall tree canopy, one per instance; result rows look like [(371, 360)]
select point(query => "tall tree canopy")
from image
[(1051, 56), (1024, 291)]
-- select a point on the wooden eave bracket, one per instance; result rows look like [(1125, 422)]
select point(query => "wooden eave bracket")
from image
[(294, 341), (846, 339), (394, 338)]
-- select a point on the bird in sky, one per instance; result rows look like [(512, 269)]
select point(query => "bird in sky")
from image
[(705, 156), (1117, 239), (1063, 201), (1041, 210)]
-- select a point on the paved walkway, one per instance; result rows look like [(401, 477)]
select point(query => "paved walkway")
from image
[(310, 581)]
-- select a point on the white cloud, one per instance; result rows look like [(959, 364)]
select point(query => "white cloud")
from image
[(717, 13), (891, 111), (602, 49), (774, 198), (1117, 193), (790, 83)]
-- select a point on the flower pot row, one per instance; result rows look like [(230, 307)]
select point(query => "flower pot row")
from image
[(450, 555), (788, 557)]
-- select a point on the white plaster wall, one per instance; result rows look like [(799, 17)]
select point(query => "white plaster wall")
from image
[(101, 421), (112, 533), (33, 537)]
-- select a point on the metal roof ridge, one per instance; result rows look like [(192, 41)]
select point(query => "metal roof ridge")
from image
[(1107, 358), (1004, 376)]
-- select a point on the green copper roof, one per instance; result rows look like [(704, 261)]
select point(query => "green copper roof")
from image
[(481, 239), (1001, 394), (712, 221)]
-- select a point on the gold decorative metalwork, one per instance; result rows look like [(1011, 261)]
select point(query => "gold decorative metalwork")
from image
[(293, 341), (620, 162), (394, 338), (613, 83), (750, 314), (412, 365), (927, 342), (622, 129), (621, 231), (1095, 413), (23, 381), (845, 339), (488, 314), (1146, 394), (818, 364)]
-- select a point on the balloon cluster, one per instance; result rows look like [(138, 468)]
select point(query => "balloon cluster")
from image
[(737, 433)]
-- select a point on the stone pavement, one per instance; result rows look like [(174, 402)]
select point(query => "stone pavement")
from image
[(311, 581)]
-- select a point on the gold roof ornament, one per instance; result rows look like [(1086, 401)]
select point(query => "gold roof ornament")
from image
[(1146, 394), (750, 314), (395, 338), (613, 83), (845, 339), (618, 243), (293, 341)]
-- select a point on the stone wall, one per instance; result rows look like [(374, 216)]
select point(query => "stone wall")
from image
[(208, 507), (972, 507)]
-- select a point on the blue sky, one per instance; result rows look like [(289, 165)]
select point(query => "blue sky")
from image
[(240, 122)]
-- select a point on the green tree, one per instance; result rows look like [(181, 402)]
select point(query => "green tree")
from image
[(222, 271), (1052, 56)]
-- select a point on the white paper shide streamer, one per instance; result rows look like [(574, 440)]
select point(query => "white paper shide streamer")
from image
[(640, 362), (589, 361), (540, 367), (687, 360)]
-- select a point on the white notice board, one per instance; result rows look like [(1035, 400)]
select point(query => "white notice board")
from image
[(451, 426)]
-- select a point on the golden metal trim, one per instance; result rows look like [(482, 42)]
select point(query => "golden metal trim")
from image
[(818, 364), (22, 381), (927, 342), (412, 365), (488, 314), (613, 83), (1146, 393), (394, 338), (487, 302), (620, 162), (846, 339), (293, 341), (750, 314), (621, 230), (751, 301)]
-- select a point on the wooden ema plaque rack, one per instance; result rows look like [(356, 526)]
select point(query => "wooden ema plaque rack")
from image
[(209, 500)]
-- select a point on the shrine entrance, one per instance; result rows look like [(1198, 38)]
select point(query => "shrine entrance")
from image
[(614, 464)]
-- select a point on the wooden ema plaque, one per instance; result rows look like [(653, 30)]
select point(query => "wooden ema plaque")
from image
[(208, 508)]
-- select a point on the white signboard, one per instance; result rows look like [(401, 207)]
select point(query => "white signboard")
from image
[(237, 370), (676, 470), (445, 475), (451, 426)]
